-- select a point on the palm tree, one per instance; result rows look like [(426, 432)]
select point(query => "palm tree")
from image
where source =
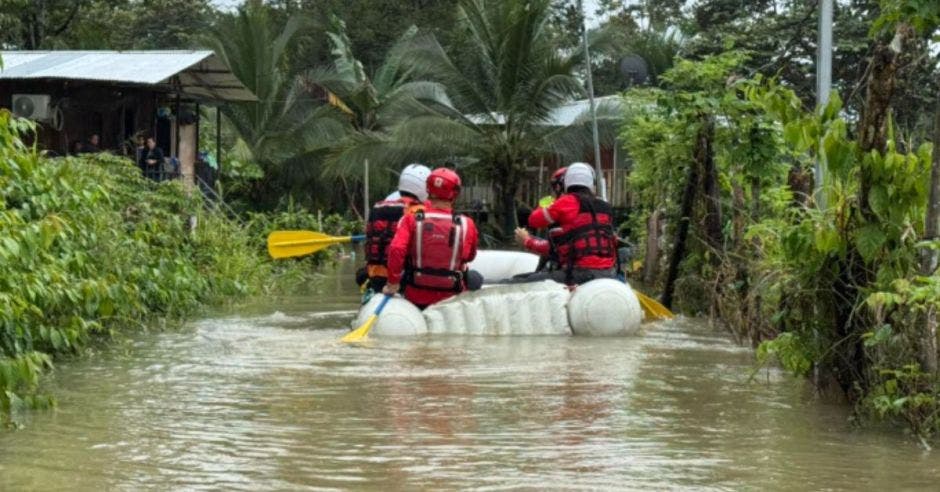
[(658, 47), (503, 90), (285, 130), (369, 106)]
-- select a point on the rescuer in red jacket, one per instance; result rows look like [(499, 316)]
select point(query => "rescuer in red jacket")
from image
[(585, 240), (548, 258), (383, 222), (431, 249)]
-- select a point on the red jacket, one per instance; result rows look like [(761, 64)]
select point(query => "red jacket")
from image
[(568, 214), (541, 246), (403, 250), (538, 245)]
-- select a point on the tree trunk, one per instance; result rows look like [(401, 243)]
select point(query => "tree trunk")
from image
[(738, 216), (929, 341), (801, 184), (34, 25), (508, 181), (854, 274), (711, 191), (506, 194), (755, 200), (757, 324), (351, 197), (685, 215), (873, 126), (928, 263), (653, 251)]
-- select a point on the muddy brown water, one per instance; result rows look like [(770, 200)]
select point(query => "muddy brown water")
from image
[(265, 398)]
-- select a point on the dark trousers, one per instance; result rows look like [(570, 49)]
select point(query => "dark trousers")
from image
[(377, 283), (578, 276)]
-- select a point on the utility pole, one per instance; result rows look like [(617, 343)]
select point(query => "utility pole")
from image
[(823, 88), (599, 173), (218, 139)]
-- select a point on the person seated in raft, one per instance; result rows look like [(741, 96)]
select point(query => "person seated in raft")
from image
[(545, 248), (431, 248), (585, 240), (383, 222)]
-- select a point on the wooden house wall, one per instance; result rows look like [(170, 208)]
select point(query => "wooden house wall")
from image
[(115, 113)]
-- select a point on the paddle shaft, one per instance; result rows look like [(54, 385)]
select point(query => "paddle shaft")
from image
[(339, 239), (362, 331), (382, 304)]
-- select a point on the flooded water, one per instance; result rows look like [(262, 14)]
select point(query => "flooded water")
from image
[(267, 398)]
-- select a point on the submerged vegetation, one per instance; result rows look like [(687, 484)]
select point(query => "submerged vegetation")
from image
[(87, 246)]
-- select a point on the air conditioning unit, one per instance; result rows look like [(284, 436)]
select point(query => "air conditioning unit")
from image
[(33, 106)]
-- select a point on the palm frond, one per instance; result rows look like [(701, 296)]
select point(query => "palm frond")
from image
[(328, 78), (345, 61), (393, 71), (427, 60), (435, 136), (575, 141), (347, 157)]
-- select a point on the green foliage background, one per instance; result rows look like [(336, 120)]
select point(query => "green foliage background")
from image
[(837, 292)]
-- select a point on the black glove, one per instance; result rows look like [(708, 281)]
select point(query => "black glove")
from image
[(361, 276)]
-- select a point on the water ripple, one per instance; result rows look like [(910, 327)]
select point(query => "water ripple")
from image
[(273, 401)]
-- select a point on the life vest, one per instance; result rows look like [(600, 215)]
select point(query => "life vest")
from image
[(436, 260), (380, 229), (591, 233)]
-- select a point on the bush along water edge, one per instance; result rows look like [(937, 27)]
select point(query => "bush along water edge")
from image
[(89, 247)]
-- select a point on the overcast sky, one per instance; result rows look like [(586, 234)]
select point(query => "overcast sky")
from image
[(589, 5)]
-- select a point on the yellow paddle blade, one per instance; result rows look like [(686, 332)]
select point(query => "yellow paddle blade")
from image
[(652, 308), (360, 333), (289, 244)]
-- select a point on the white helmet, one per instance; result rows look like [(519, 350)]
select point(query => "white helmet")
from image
[(579, 174), (414, 180)]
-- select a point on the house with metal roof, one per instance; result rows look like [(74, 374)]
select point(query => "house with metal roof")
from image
[(613, 163), (118, 95)]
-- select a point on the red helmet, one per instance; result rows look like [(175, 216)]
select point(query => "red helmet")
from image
[(443, 184), (558, 181)]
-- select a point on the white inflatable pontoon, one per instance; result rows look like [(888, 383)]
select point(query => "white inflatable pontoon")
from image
[(603, 307)]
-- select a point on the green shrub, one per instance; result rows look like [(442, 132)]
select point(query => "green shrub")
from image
[(88, 246)]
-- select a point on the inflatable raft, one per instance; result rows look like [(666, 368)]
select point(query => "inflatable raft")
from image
[(602, 307)]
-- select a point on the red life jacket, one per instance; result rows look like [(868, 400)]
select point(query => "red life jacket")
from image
[(436, 261), (383, 221), (591, 233)]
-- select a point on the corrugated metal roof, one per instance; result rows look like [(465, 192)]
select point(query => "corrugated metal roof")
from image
[(198, 74), (564, 115), (569, 113)]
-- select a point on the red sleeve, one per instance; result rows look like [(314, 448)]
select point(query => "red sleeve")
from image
[(470, 241), (544, 217), (537, 245), (398, 249)]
